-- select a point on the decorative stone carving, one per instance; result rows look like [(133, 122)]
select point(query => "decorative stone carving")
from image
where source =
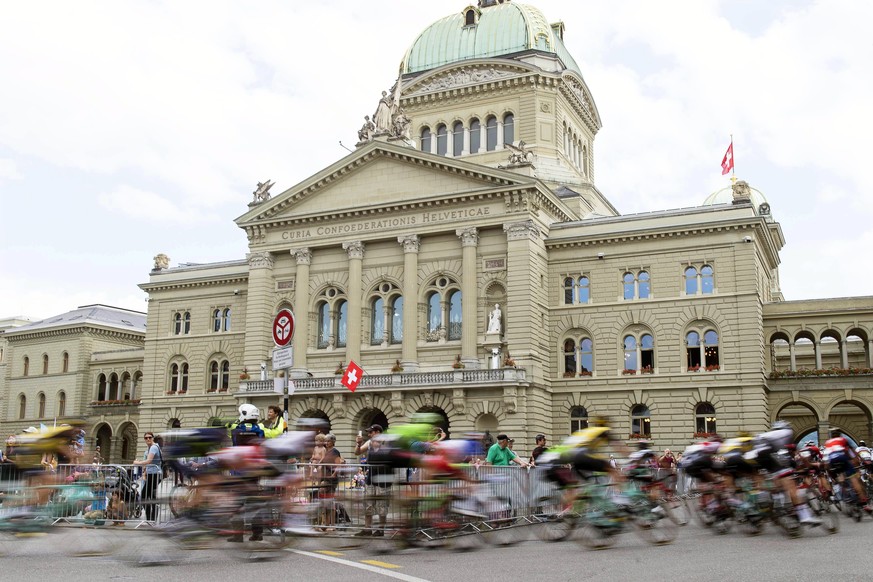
[(383, 117), (469, 236), (261, 260), (580, 92), (262, 192), (463, 76), (339, 405), (510, 400), (428, 399), (397, 403), (521, 230), (742, 192), (400, 125), (411, 243), (303, 256), (368, 401), (519, 155), (355, 249), (459, 400), (162, 262), (367, 131)]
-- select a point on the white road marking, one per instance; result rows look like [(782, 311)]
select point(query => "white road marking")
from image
[(369, 568)]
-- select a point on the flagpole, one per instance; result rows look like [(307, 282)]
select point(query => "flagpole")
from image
[(733, 162)]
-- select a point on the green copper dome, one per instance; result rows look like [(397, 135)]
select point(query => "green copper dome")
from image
[(501, 29)]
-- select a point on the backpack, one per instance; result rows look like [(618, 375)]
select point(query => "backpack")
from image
[(246, 433)]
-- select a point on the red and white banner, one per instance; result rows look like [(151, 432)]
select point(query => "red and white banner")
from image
[(727, 162), (352, 376)]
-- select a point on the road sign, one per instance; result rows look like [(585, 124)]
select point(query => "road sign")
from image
[(283, 328), (283, 358), (352, 376)]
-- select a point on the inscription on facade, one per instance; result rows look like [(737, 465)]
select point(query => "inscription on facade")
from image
[(285, 285), (387, 223), (495, 264)]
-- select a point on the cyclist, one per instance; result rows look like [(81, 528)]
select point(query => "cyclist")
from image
[(842, 460), (32, 447), (248, 430), (864, 454)]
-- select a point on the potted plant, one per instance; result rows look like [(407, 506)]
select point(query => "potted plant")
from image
[(396, 367), (508, 362), (340, 369), (245, 374), (694, 368), (585, 373), (712, 368), (628, 372), (458, 364), (569, 374), (647, 370)]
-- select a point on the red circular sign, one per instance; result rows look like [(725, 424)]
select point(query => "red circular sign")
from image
[(283, 328)]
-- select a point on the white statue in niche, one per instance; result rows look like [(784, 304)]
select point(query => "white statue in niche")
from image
[(494, 319)]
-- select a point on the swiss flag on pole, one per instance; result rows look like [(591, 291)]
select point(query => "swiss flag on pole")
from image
[(727, 162), (352, 376)]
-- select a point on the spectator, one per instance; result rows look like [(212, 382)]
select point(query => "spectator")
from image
[(667, 460), (541, 448), (275, 424), (116, 509), (374, 491), (152, 462), (500, 455), (98, 458), (330, 480)]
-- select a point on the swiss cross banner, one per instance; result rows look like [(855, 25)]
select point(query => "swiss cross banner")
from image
[(727, 162), (352, 376)]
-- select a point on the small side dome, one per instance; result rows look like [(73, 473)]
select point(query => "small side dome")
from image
[(726, 196)]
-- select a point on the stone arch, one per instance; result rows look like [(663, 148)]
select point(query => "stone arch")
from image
[(369, 416), (482, 407), (428, 272), (101, 435), (703, 394), (322, 403), (707, 313), (374, 277), (856, 425), (568, 322), (865, 407), (799, 401), (128, 433), (779, 334), (358, 406), (431, 400), (633, 319), (320, 282), (805, 334)]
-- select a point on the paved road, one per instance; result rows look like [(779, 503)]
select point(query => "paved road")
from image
[(696, 555)]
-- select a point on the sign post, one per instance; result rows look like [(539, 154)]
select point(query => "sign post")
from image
[(283, 356)]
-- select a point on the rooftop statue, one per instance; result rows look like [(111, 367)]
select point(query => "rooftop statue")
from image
[(367, 130), (519, 154), (162, 262), (262, 192)]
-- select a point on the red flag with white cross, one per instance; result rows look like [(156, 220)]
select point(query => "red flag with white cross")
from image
[(727, 162), (352, 376)]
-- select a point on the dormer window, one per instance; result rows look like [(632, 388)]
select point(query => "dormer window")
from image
[(471, 15)]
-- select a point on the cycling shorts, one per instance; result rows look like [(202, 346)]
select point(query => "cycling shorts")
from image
[(583, 460), (841, 463), (736, 464)]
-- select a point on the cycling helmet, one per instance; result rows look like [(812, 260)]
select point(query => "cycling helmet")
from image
[(249, 412), (862, 444), (780, 425)]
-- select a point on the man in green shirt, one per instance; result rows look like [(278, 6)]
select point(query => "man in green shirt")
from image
[(500, 455)]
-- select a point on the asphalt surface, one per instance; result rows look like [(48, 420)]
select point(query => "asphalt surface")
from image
[(697, 554)]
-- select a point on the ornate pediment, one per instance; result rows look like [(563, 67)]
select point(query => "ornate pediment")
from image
[(461, 76), (576, 88)]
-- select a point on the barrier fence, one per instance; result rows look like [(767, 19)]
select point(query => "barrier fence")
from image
[(335, 497)]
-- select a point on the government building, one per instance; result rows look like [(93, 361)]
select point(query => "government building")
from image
[(464, 257)]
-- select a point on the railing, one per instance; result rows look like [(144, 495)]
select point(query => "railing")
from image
[(429, 379)]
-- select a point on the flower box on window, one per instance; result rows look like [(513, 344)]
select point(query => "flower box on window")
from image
[(647, 370), (569, 374), (584, 373), (693, 368), (171, 391), (704, 435), (628, 372), (713, 368), (134, 402), (637, 436)]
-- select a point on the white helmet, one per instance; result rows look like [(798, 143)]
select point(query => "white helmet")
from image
[(248, 412)]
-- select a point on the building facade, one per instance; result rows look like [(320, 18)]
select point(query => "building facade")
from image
[(463, 256)]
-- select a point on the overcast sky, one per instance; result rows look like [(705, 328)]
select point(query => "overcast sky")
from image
[(133, 128)]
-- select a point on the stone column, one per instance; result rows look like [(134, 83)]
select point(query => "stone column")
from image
[(524, 319), (466, 141), (469, 287), (823, 430), (303, 257), (817, 347), (844, 354), (355, 249), (499, 135), (793, 364), (409, 355), (870, 353), (259, 310), (483, 136)]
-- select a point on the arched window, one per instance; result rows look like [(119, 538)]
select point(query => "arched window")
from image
[(26, 366), (177, 324), (457, 139), (65, 362), (342, 323), (45, 364), (455, 315), (578, 419), (184, 374), (219, 376), (101, 387), (323, 324), (630, 353), (702, 354), (186, 328), (704, 419), (691, 281), (569, 358), (227, 319), (470, 17), (216, 320), (641, 421), (586, 357), (707, 284), (442, 140), (647, 353), (509, 128), (639, 354), (174, 379), (491, 133), (41, 405), (214, 376), (22, 406), (583, 288), (225, 376), (397, 320), (444, 317), (568, 291), (475, 136), (425, 139), (636, 286), (62, 404), (377, 321), (113, 387), (182, 323)]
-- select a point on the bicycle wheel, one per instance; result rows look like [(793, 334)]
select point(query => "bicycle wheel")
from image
[(596, 537), (657, 526), (556, 528), (180, 499)]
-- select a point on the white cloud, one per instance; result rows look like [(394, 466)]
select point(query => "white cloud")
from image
[(144, 205)]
